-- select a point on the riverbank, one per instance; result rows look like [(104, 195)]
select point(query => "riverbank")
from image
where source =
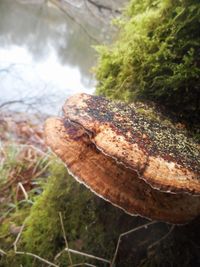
[(22, 128), (22, 149)]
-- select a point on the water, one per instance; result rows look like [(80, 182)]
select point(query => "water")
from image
[(44, 56)]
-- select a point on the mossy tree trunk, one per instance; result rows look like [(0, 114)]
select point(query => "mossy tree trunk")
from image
[(92, 225)]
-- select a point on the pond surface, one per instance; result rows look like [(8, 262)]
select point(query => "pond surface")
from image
[(44, 56)]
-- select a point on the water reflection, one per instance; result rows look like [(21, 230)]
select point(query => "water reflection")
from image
[(42, 52)]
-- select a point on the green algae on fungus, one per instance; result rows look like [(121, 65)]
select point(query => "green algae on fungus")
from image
[(151, 133)]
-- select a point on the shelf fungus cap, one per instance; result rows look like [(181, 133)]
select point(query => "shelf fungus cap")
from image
[(113, 181), (142, 139)]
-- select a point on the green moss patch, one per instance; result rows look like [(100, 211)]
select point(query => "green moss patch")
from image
[(155, 57)]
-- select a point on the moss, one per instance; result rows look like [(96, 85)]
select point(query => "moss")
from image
[(149, 128), (8, 235), (92, 225), (155, 57), (18, 165)]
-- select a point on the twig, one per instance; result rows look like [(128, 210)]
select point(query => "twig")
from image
[(75, 20), (162, 238), (100, 7), (93, 13), (86, 255), (11, 102), (2, 252), (28, 253), (126, 233), (77, 264), (37, 257), (65, 238), (59, 254)]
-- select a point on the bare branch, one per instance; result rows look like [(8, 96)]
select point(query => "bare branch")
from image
[(8, 103), (100, 7), (92, 12), (74, 19), (127, 233)]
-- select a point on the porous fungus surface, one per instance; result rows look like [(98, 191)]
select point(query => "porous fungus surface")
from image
[(154, 134)]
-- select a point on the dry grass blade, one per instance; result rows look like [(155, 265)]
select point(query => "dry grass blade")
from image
[(69, 251), (37, 149), (37, 257), (162, 238), (42, 171), (65, 238), (20, 186), (18, 237), (82, 264), (86, 255), (28, 253), (127, 233), (2, 252), (59, 254)]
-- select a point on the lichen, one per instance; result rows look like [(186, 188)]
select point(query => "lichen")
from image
[(153, 132)]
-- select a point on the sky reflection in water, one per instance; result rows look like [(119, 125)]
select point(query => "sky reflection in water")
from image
[(42, 53)]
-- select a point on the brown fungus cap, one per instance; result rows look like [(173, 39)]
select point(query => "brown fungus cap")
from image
[(161, 154), (112, 181)]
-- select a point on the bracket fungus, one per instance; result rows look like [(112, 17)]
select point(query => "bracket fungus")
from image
[(140, 164)]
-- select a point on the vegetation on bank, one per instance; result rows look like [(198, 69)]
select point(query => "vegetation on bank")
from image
[(156, 57)]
